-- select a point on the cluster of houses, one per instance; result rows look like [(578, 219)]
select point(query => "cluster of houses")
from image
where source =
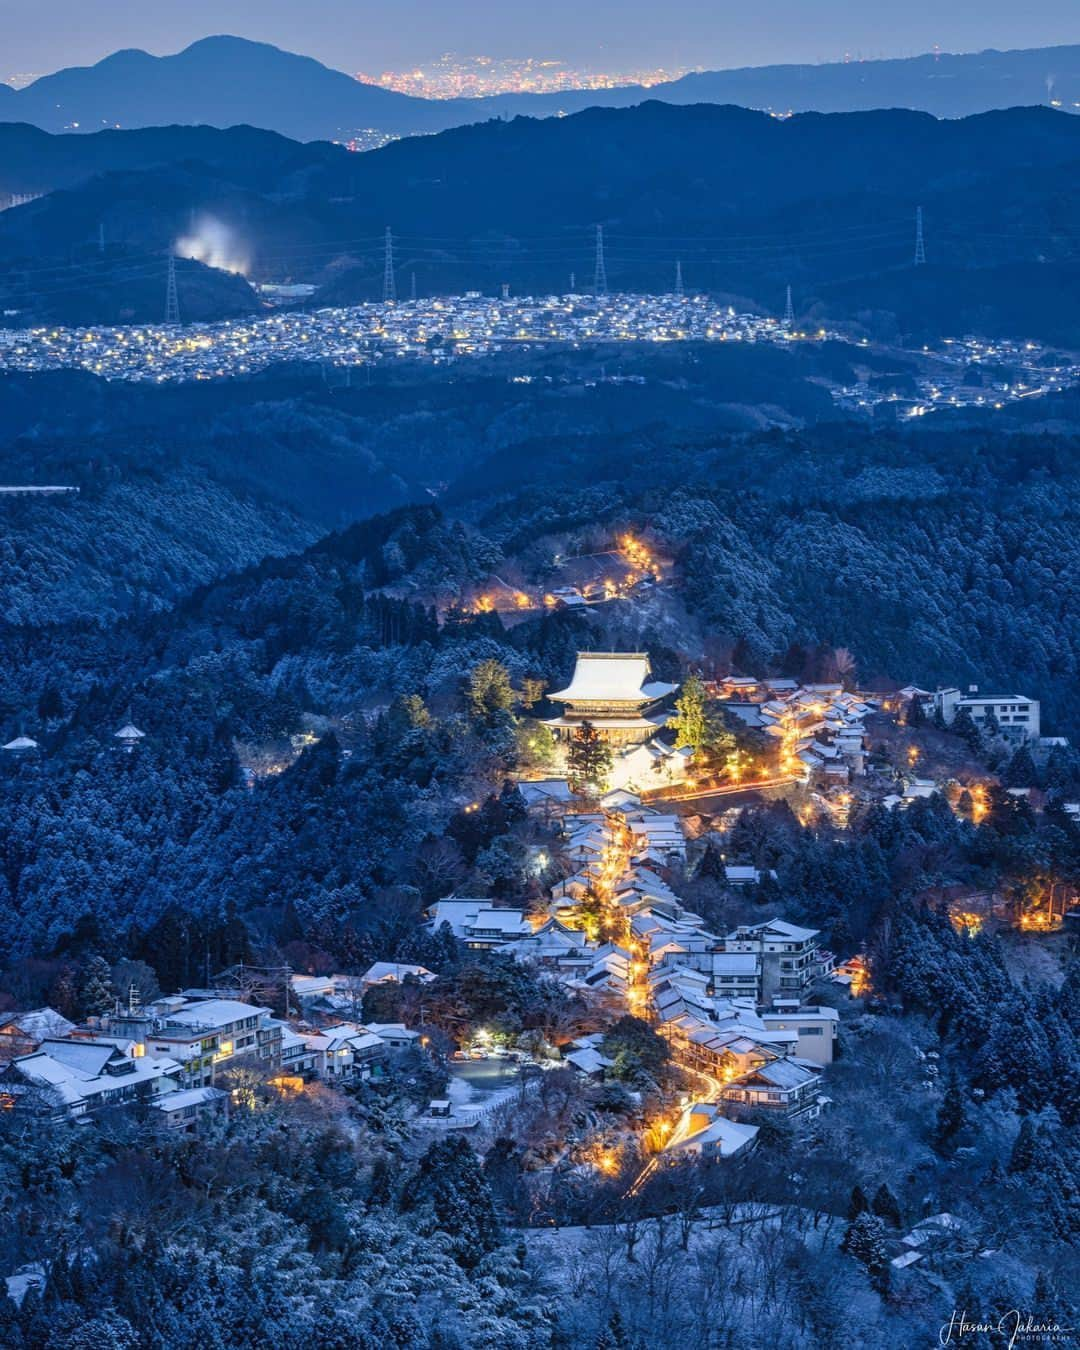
[(733, 1006), (818, 728), (176, 1055)]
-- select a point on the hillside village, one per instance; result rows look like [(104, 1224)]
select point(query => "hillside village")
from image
[(748, 1015)]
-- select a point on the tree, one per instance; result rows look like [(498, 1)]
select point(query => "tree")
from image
[(532, 691), (450, 1183), (963, 725), (636, 1049), (96, 994), (691, 720), (1025, 1149), (1020, 772), (865, 1240), (489, 689), (915, 714), (858, 1203), (951, 1116), (886, 1206), (589, 760)]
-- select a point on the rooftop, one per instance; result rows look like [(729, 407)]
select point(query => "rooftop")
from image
[(612, 677)]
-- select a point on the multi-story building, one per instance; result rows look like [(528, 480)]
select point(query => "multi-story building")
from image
[(816, 1027), (789, 956), (1018, 717), (204, 1036), (616, 694)]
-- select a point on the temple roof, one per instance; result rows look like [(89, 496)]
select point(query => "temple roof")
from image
[(612, 677)]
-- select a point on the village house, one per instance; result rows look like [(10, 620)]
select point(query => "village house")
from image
[(702, 1131), (393, 972), (20, 1033), (817, 1028), (76, 1078), (478, 923), (182, 1110), (791, 1086), (344, 1051)]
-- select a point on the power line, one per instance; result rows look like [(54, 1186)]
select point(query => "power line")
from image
[(600, 274), (389, 285), (172, 300)]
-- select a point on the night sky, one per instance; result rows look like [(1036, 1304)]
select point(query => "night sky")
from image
[(43, 35)]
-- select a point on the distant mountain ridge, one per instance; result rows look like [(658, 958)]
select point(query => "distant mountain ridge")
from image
[(751, 203), (223, 81)]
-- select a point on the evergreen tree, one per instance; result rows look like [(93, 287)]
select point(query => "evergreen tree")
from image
[(915, 713), (449, 1182), (1025, 1149), (96, 994), (886, 1206), (963, 725), (589, 760), (951, 1116), (865, 1240), (858, 1204), (691, 722), (1020, 772)]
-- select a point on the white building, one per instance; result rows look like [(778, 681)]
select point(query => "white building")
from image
[(1018, 716), (704, 1132), (78, 1077), (478, 923), (790, 957)]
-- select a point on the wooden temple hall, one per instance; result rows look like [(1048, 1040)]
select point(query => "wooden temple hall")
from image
[(616, 693)]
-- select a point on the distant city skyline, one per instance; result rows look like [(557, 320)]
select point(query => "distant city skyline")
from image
[(608, 35)]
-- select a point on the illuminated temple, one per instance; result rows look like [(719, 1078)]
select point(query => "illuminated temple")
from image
[(616, 693)]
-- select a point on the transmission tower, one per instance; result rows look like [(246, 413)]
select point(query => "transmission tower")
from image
[(789, 312), (412, 287), (920, 245), (172, 300), (506, 290), (389, 289), (679, 292), (600, 275)]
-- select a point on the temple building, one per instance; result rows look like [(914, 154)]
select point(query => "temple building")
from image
[(615, 692)]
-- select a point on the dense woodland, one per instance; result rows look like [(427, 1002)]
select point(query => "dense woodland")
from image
[(321, 722)]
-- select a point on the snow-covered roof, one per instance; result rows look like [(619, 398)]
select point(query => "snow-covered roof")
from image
[(179, 1101), (213, 1012), (617, 677), (39, 1023), (702, 1124), (21, 743), (393, 972), (129, 732)]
